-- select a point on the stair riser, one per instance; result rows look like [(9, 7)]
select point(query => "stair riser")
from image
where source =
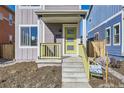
[(71, 66), (69, 63), (75, 61), (74, 80), (73, 69), (74, 75)]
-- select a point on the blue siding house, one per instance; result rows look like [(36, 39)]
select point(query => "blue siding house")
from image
[(105, 22)]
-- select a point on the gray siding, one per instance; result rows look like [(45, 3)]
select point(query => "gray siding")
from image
[(24, 17), (28, 17), (62, 7), (53, 32)]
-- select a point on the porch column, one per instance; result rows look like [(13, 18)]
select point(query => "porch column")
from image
[(41, 34), (84, 34)]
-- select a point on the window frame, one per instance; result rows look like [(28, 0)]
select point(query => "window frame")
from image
[(95, 35), (31, 25), (116, 44), (110, 35)]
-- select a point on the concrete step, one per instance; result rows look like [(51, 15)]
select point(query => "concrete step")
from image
[(81, 75), (72, 60), (72, 64), (77, 61), (71, 69), (74, 79), (75, 85)]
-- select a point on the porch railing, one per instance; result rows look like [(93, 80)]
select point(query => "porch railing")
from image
[(85, 60), (50, 50)]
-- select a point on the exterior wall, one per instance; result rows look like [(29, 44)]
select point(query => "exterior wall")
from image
[(26, 16), (112, 49), (5, 28), (53, 33), (111, 16), (100, 13)]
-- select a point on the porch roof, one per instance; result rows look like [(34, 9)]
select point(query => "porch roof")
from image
[(66, 16)]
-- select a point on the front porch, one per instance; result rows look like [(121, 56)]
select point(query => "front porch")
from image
[(60, 34)]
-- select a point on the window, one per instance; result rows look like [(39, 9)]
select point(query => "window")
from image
[(10, 19), (28, 35), (96, 36), (1, 16), (29, 6), (108, 35), (116, 30)]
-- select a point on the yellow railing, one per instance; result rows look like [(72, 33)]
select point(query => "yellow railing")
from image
[(50, 50), (85, 60)]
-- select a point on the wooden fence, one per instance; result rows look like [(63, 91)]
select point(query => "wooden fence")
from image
[(7, 51), (96, 48)]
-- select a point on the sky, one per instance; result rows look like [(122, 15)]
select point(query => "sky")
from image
[(12, 7)]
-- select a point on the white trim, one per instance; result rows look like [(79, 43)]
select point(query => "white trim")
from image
[(84, 33), (43, 29), (120, 12), (27, 25), (69, 25), (110, 35), (114, 32), (95, 35), (122, 33), (38, 38), (80, 7)]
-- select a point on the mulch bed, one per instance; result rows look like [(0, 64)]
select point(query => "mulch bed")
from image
[(28, 75)]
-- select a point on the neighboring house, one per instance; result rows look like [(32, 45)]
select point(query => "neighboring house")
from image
[(48, 32), (105, 22), (7, 25)]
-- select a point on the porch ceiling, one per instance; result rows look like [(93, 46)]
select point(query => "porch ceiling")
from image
[(61, 16)]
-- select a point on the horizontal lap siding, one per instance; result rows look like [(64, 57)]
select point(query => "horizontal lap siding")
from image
[(100, 13), (28, 17), (114, 50)]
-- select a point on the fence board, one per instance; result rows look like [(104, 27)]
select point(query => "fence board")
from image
[(7, 51), (96, 48)]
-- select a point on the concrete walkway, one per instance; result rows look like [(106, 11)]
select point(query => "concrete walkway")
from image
[(73, 74)]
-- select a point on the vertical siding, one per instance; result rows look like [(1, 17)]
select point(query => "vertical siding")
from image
[(27, 17)]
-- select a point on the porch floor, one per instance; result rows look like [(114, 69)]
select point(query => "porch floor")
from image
[(73, 74)]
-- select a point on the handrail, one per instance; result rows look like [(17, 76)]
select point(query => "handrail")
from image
[(50, 50), (85, 60)]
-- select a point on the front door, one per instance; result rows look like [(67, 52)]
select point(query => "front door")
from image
[(70, 40)]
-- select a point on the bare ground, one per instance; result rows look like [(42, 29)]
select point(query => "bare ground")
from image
[(121, 69), (28, 75)]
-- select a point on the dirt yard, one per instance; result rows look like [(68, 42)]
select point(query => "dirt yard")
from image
[(121, 69), (113, 82), (28, 75)]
